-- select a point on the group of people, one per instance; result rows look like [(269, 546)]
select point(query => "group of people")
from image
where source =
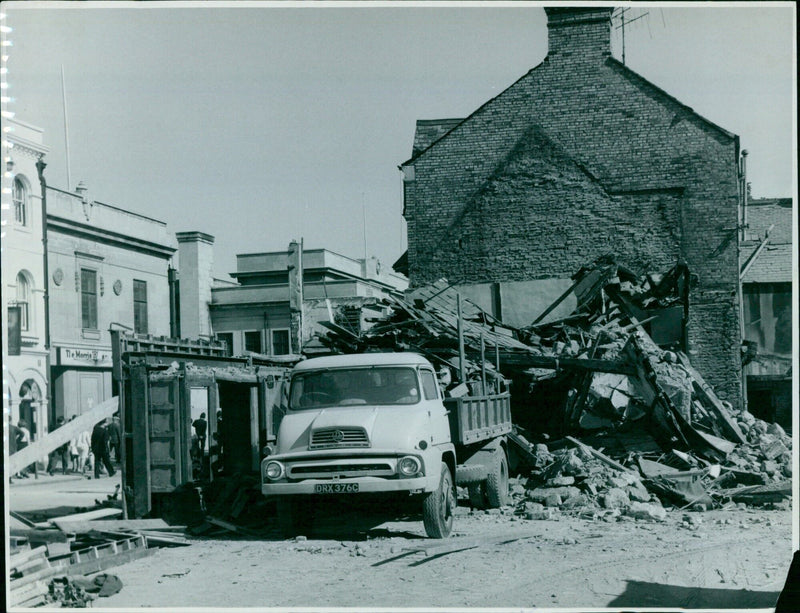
[(78, 455)]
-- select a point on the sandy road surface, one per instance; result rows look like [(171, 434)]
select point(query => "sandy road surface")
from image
[(567, 562), (719, 559)]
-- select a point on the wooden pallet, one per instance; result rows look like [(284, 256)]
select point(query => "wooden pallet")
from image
[(100, 557)]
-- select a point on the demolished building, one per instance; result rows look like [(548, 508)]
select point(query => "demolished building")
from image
[(579, 157), (594, 379)]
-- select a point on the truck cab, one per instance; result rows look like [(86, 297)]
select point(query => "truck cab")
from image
[(363, 423)]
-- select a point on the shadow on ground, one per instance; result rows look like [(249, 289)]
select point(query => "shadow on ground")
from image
[(645, 594)]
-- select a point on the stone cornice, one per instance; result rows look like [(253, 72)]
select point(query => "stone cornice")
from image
[(28, 149), (67, 226)]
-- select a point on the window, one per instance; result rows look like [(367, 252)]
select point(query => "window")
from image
[(23, 301), (280, 342), (20, 198), (140, 307), (89, 299), (429, 385), (228, 338), (252, 341), (381, 385)]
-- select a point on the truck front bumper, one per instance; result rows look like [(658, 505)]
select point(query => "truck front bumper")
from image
[(365, 485)]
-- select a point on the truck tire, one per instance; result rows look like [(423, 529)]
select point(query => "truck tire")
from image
[(295, 515), (439, 506), (497, 481), (467, 474)]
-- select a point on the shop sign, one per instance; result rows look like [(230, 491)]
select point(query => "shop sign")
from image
[(84, 357)]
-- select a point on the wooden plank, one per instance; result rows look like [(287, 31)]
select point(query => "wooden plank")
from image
[(34, 602), (42, 574), (139, 481), (230, 526), (70, 430), (711, 402), (82, 526), (532, 360), (37, 563), (602, 457), (87, 516), (22, 519), (21, 596), (105, 562), (164, 540), (38, 535), (19, 558)]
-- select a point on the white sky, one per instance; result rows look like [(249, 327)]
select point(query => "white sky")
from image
[(261, 124)]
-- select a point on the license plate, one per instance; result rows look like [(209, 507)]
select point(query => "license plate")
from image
[(335, 488)]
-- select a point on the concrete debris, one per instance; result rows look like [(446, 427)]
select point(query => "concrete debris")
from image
[(650, 511)]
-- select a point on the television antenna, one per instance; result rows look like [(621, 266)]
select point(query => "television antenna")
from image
[(625, 17)]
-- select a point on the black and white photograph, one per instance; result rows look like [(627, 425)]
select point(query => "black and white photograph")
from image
[(433, 305)]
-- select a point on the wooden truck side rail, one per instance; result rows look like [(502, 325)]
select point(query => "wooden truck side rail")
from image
[(478, 418)]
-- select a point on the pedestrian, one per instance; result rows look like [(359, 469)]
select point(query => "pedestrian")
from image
[(62, 452), (83, 444), (113, 430), (73, 451), (23, 440), (100, 449), (200, 426), (218, 434)]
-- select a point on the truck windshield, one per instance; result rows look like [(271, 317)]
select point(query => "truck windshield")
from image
[(353, 386)]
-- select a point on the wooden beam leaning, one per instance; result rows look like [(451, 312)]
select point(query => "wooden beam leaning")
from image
[(532, 360), (70, 430)]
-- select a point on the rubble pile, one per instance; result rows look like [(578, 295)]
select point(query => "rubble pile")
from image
[(575, 480), (608, 372)]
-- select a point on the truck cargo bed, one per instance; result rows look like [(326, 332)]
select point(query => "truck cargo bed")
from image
[(478, 418)]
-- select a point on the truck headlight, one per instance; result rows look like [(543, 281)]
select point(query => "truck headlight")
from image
[(408, 466), (273, 470)]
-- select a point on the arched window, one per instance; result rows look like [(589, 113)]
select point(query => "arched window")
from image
[(23, 301), (20, 198)]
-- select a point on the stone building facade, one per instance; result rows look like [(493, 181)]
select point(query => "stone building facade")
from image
[(108, 269), (581, 157), (25, 380)]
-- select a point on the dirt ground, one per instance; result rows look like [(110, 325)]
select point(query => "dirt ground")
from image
[(716, 559)]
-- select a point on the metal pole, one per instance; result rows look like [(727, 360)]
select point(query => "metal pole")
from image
[(461, 357), (66, 126), (483, 367), (497, 364)]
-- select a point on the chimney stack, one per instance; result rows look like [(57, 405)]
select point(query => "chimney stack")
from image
[(195, 269), (579, 33)]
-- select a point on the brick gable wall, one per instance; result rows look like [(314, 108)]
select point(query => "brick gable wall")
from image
[(577, 158)]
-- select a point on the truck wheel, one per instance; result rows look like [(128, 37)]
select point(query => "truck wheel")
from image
[(497, 481), (467, 474), (439, 506), (295, 515)]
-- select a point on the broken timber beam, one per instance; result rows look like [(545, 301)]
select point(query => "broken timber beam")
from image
[(531, 360), (70, 430), (600, 456), (725, 420)]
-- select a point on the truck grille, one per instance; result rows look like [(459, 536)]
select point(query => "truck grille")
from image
[(340, 469), (330, 438)]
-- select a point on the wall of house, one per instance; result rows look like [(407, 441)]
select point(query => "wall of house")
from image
[(88, 235), (24, 374), (580, 157)]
